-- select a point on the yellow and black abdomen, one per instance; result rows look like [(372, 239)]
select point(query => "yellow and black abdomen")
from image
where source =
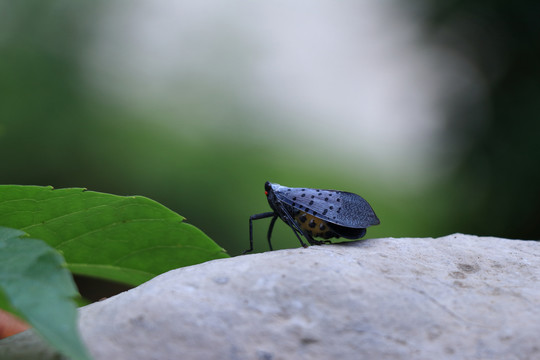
[(319, 228), (314, 226)]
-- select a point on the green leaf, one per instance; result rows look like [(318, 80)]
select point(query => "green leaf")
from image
[(35, 286), (128, 239)]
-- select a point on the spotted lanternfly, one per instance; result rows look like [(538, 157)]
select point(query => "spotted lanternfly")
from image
[(316, 213)]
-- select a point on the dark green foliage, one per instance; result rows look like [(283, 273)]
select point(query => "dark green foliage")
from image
[(495, 186)]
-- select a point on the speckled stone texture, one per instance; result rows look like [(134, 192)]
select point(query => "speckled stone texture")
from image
[(456, 297)]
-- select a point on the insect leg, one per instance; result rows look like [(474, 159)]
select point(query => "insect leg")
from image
[(251, 218), (270, 230), (312, 241), (299, 238), (290, 221)]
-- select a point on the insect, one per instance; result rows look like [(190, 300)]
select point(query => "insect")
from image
[(316, 213)]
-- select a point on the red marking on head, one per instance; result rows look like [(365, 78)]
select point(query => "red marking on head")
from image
[(266, 193)]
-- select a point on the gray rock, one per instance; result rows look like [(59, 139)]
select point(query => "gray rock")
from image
[(456, 297)]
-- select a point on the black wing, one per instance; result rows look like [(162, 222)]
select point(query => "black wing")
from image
[(337, 207)]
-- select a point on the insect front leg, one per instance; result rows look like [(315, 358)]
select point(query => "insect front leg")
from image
[(257, 217)]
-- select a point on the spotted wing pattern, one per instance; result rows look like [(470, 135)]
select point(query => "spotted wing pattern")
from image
[(337, 207)]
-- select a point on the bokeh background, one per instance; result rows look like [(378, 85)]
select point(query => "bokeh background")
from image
[(429, 110)]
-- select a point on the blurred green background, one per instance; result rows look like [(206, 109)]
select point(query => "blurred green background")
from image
[(430, 112)]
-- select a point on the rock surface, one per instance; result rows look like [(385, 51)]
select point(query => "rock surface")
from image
[(456, 297)]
